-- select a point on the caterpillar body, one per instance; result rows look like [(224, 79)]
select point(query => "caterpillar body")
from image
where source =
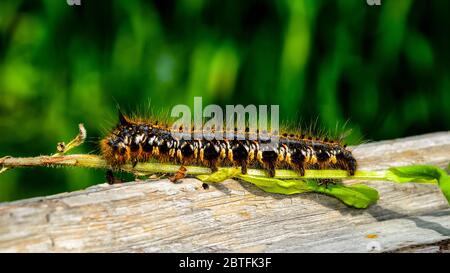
[(137, 140)]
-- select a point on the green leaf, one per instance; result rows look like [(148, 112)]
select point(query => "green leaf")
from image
[(358, 195), (219, 176), (415, 173), (421, 174), (444, 184), (277, 185)]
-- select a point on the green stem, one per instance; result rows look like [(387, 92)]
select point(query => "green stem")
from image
[(94, 161)]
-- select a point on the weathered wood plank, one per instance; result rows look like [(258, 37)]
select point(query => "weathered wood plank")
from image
[(237, 217)]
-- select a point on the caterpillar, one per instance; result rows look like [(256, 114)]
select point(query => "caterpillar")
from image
[(138, 140)]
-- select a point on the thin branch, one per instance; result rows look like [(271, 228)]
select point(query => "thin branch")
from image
[(145, 168)]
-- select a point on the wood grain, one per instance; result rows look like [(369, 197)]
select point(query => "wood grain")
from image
[(159, 216)]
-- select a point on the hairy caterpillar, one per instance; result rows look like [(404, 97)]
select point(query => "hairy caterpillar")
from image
[(138, 140)]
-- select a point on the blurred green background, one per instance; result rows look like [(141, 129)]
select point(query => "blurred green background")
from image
[(384, 68)]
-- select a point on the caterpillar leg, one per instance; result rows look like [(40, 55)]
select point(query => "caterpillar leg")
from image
[(239, 156), (351, 166), (210, 155), (212, 165), (270, 168), (244, 167), (300, 169), (269, 158), (297, 161)]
